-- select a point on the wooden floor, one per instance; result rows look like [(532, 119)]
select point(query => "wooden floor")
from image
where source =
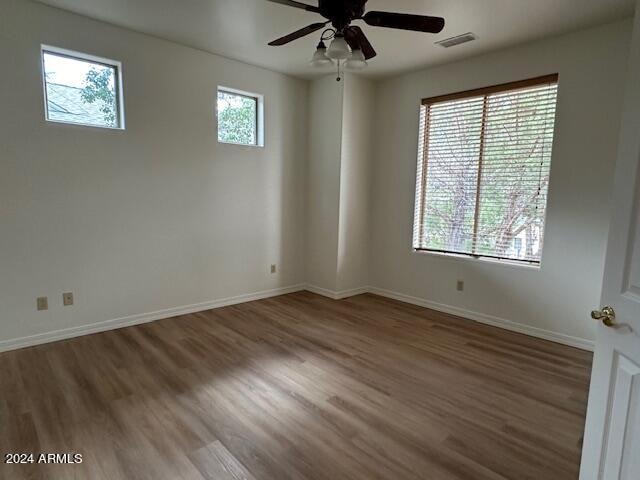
[(298, 387)]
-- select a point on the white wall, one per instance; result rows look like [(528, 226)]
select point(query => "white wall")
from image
[(353, 238), (160, 216), (340, 130), (558, 297), (157, 216), (323, 183)]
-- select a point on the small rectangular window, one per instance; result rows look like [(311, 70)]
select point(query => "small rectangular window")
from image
[(82, 89), (239, 117), (484, 160)]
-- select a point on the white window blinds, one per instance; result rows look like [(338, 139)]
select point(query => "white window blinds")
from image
[(483, 171)]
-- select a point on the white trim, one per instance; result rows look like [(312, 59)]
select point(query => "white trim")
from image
[(561, 338), (259, 116), (138, 319), (336, 295), (461, 257), (569, 340), (80, 56)]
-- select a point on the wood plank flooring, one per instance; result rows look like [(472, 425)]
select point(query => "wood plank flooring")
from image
[(298, 387)]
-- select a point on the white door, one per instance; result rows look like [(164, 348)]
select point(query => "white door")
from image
[(612, 438)]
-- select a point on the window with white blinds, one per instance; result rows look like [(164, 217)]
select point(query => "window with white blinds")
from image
[(483, 171)]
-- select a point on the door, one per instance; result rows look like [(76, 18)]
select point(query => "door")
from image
[(612, 437)]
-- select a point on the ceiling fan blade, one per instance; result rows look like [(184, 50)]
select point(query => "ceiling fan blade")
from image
[(405, 21), (297, 34), (356, 38), (292, 3)]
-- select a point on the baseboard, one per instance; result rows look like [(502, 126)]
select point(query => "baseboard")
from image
[(128, 321), (576, 342), (336, 295), (569, 340)]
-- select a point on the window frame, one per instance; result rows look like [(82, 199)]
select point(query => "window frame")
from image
[(419, 207), (259, 123), (80, 56)]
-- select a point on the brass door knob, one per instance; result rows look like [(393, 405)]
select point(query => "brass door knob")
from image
[(607, 315)]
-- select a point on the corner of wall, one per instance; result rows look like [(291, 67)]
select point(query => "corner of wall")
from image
[(341, 118)]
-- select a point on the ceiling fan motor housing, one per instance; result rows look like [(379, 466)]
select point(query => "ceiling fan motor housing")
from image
[(341, 12)]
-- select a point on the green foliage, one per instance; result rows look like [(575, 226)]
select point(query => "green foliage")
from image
[(100, 87), (236, 119)]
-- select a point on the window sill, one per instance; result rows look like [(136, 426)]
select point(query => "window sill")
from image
[(248, 145), (485, 260), (83, 125)]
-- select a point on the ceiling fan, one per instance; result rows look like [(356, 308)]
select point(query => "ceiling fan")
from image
[(349, 42)]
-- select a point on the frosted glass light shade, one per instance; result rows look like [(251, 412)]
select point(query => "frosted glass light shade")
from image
[(356, 61), (320, 58), (339, 49)]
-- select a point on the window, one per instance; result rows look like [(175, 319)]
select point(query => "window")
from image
[(81, 89), (483, 171), (239, 117)]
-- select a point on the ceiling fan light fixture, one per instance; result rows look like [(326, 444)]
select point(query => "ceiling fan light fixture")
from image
[(347, 37), (357, 61), (320, 58), (339, 48)]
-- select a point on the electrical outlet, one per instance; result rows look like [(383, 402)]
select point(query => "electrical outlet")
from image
[(460, 285), (273, 268), (43, 303), (67, 299)]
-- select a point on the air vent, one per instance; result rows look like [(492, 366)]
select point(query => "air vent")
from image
[(453, 41)]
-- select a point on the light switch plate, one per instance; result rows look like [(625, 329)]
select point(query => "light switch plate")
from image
[(67, 299), (43, 303)]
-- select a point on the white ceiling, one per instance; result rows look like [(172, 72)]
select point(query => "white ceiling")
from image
[(241, 29)]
